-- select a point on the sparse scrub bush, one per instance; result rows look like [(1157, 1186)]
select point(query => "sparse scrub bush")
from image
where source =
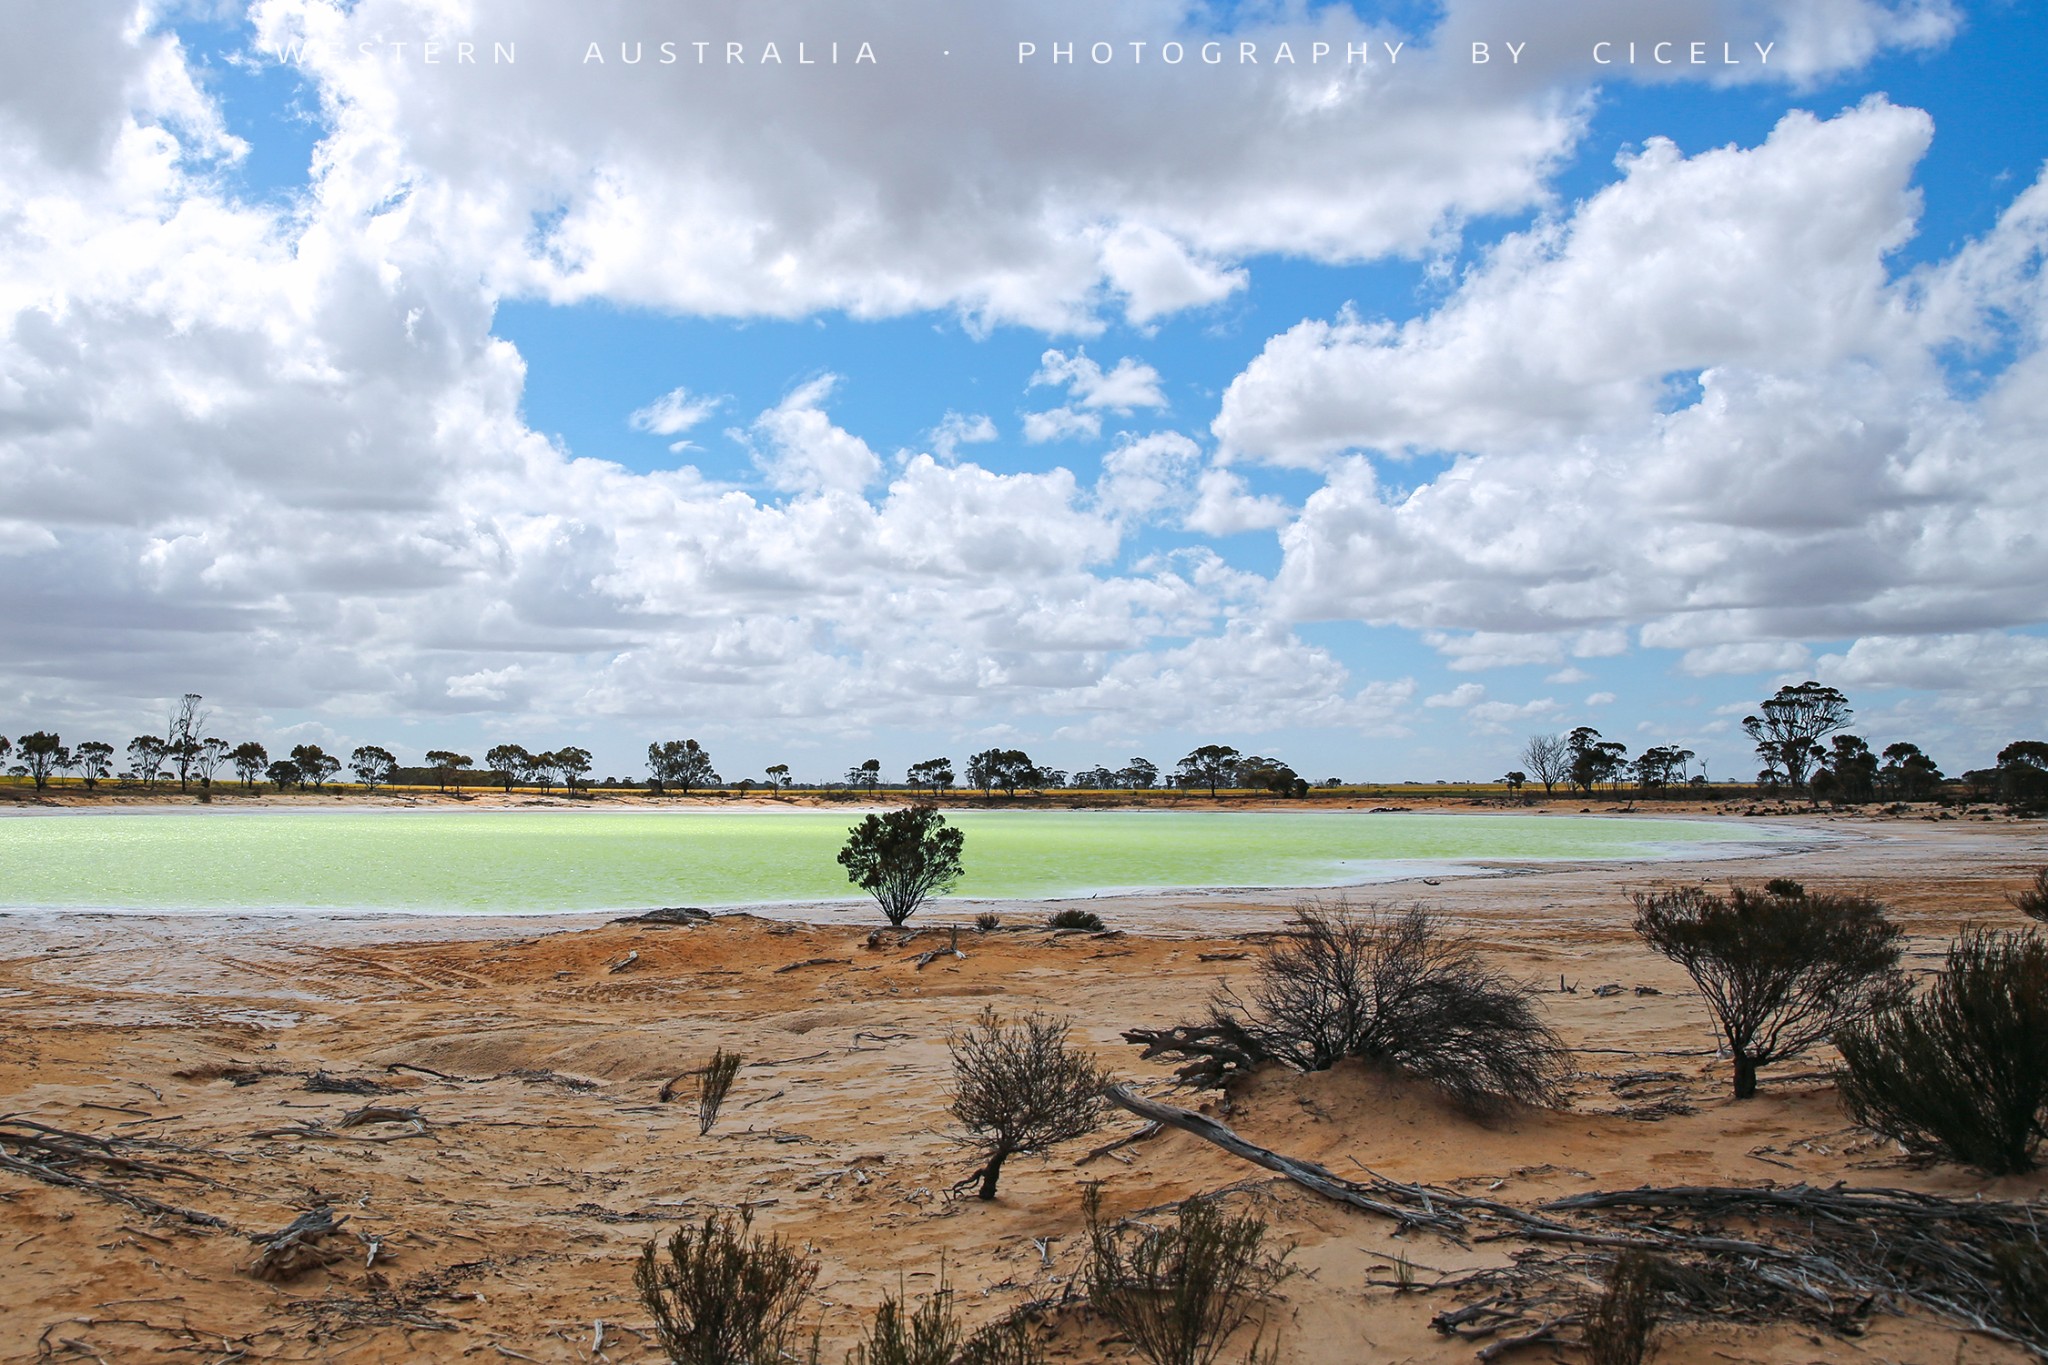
[(987, 922), (902, 857), (2020, 1269), (1021, 1087), (1181, 1293), (2033, 902), (712, 1086), (1392, 988), (1618, 1323), (1962, 1070), (1073, 917), (933, 1335), (1786, 887), (722, 1296), (1779, 972)]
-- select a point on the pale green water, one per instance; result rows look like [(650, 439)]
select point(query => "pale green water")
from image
[(601, 860)]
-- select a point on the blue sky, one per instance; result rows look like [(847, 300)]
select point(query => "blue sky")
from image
[(1423, 406)]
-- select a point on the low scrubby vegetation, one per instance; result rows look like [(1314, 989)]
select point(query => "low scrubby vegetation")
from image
[(932, 1334), (1781, 969), (1021, 1086), (1181, 1293), (1393, 988), (1961, 1071), (1618, 1322), (713, 1084), (720, 1295), (1073, 917), (2033, 902)]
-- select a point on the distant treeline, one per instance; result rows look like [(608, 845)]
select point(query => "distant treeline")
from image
[(1802, 738), (1800, 733)]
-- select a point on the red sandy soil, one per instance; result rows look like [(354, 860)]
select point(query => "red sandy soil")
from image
[(509, 1219)]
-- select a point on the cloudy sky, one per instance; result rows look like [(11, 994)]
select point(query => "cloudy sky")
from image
[(1279, 375)]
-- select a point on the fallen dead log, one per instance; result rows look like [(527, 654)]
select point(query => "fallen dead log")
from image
[(1418, 1209), (51, 1155), (623, 963), (814, 962)]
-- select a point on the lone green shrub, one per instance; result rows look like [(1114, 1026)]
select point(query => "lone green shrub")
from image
[(1779, 972), (1618, 1323), (722, 1296), (1021, 1087), (712, 1086), (1786, 887), (1181, 1293), (1961, 1071), (1073, 917), (902, 857)]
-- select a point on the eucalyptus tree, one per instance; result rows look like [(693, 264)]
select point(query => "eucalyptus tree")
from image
[(94, 760), (509, 762), (372, 765), (680, 763), (250, 760), (206, 759), (146, 754), (574, 766), (316, 766), (867, 775), (448, 766), (778, 775), (42, 753), (934, 774), (1211, 766), (284, 775), (1790, 726), (1140, 775), (1908, 774)]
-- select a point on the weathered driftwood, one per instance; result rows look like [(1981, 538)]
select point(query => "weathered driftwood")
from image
[(1214, 1053), (623, 963), (1409, 1205), (53, 1156), (292, 1250), (813, 962)]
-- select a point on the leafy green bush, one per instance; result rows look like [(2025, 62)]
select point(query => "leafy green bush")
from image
[(1961, 1071), (902, 857), (722, 1296), (1780, 972), (1180, 1293)]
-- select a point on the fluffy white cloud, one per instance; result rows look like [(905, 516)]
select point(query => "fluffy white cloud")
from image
[(1573, 328), (1125, 387), (801, 451), (1826, 481), (1059, 424), (1144, 475), (1226, 506), (674, 413), (958, 429)]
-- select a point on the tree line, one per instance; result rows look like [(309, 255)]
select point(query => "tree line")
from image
[(1802, 738), (677, 766)]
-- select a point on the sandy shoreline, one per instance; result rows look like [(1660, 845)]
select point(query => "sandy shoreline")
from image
[(544, 1159)]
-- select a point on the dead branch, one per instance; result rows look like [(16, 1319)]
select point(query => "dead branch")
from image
[(291, 1251), (1418, 1209), (1150, 1130), (814, 962), (623, 963)]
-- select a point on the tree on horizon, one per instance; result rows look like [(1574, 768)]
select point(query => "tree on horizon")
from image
[(1792, 723)]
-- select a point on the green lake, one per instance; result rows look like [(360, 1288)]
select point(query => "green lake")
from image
[(556, 860)]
